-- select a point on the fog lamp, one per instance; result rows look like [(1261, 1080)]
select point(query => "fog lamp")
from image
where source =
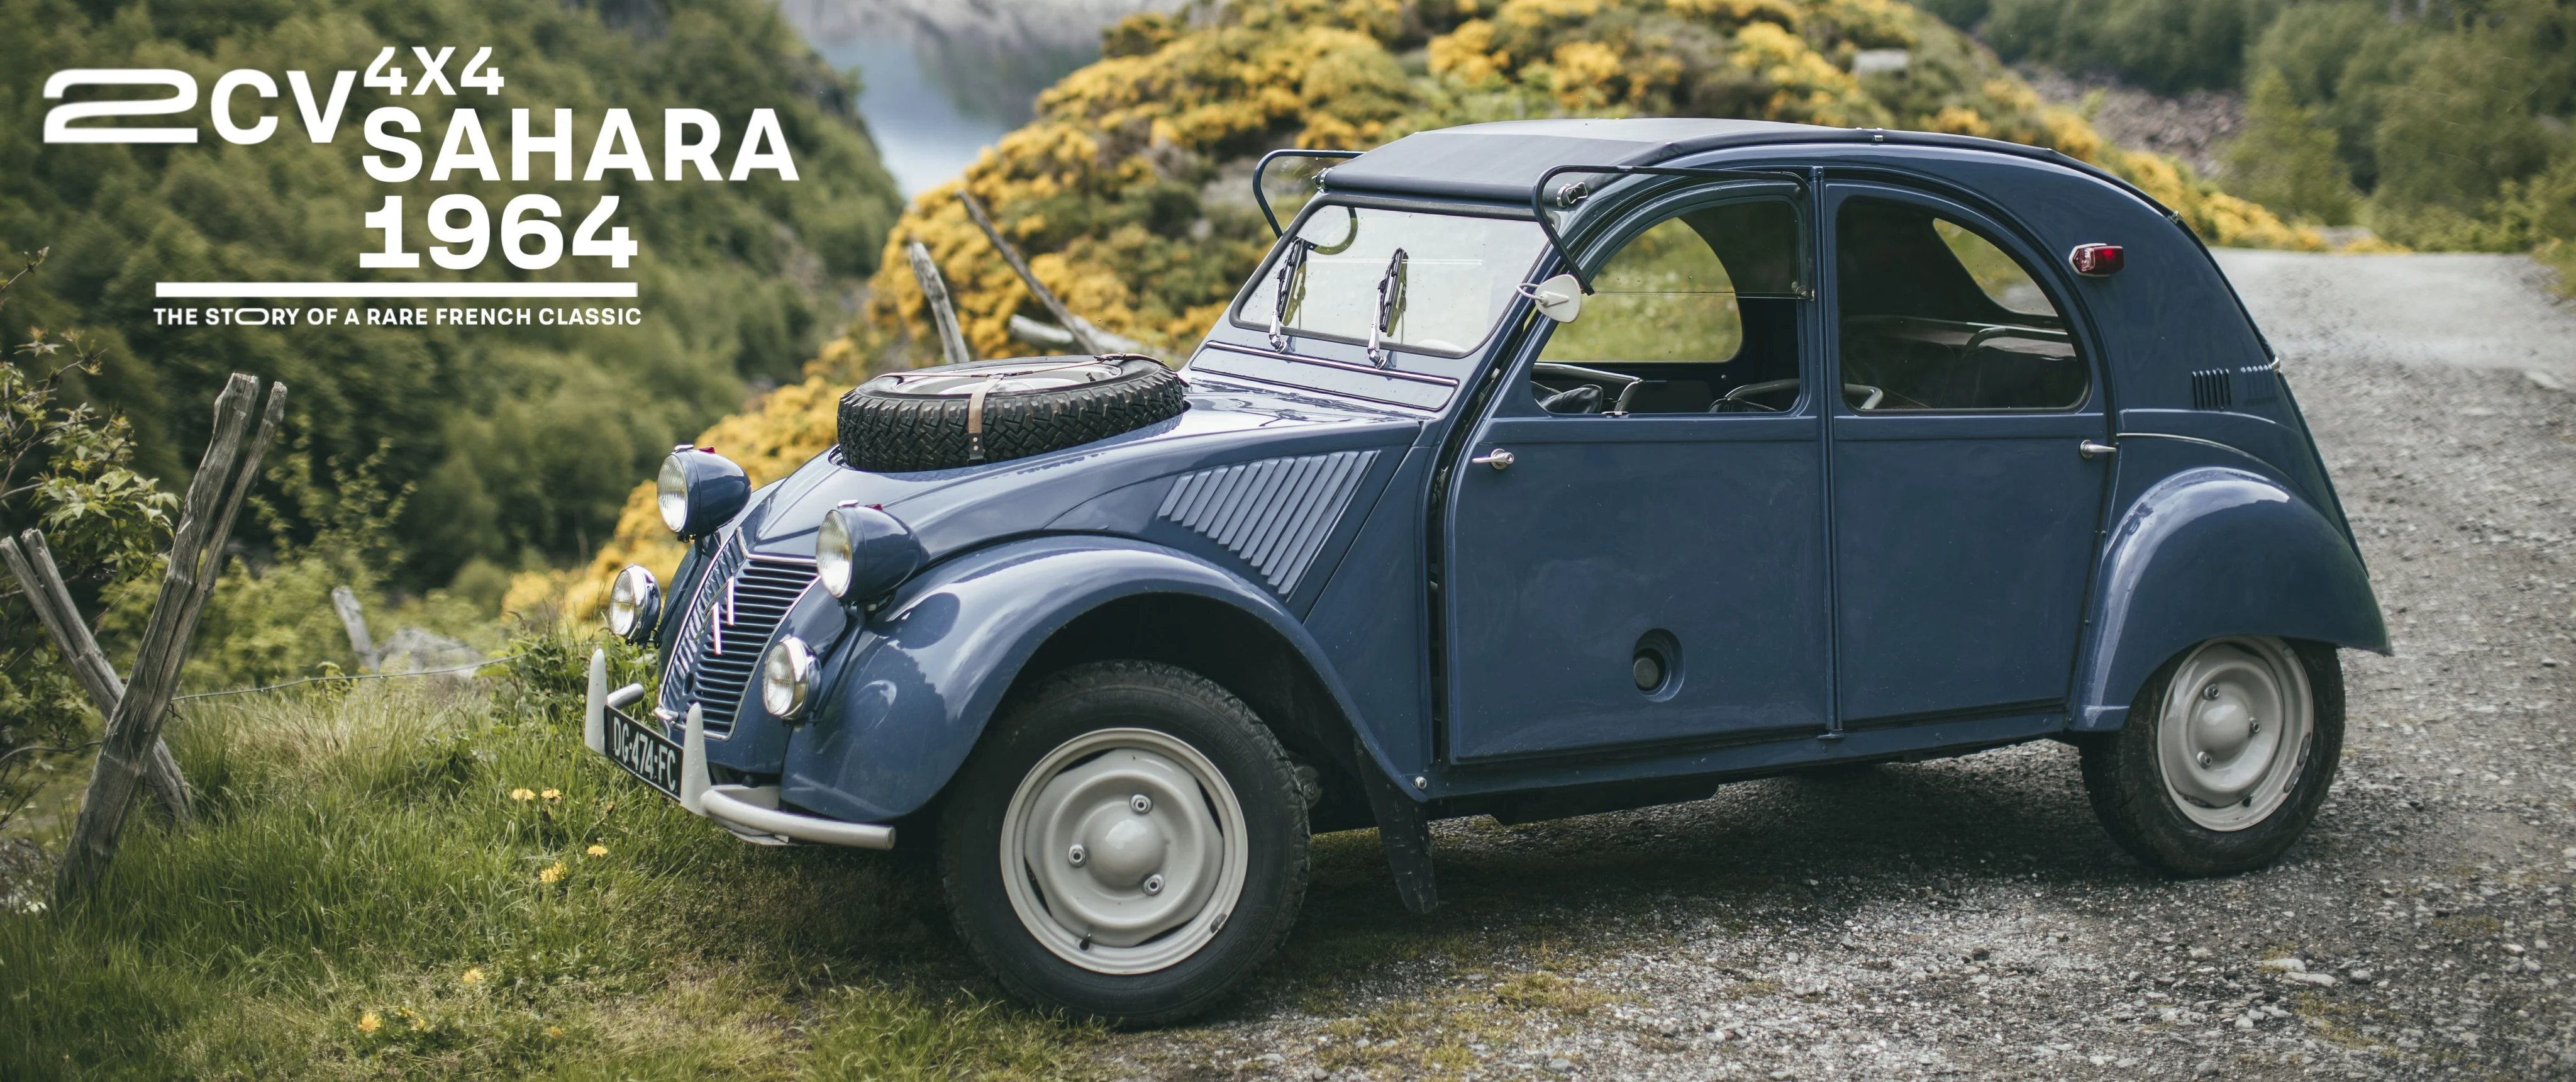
[(634, 604), (787, 678)]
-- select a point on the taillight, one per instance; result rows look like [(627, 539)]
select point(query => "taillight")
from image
[(2097, 260)]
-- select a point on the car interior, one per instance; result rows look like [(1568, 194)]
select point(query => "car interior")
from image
[(1699, 314), (1936, 317)]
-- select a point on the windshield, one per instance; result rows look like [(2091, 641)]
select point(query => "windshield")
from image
[(1429, 283)]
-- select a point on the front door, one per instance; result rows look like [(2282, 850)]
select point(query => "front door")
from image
[(1649, 566), (1964, 511)]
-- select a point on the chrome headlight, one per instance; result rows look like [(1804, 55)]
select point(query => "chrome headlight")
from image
[(699, 490), (862, 553), (634, 604), (787, 678)]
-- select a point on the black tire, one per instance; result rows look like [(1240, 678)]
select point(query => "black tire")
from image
[(2126, 778), (904, 422), (1078, 703)]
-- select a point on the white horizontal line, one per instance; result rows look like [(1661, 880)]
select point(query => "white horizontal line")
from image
[(409, 290)]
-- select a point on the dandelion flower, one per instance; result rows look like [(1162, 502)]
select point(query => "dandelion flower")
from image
[(552, 794), (597, 850), (522, 794), (554, 1031), (472, 976), (369, 1023), (551, 874)]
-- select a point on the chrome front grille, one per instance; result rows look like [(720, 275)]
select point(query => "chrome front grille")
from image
[(717, 655)]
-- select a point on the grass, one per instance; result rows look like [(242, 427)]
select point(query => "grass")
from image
[(363, 897)]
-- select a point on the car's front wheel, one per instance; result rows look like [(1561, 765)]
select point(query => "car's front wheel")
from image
[(2226, 755), (1128, 844)]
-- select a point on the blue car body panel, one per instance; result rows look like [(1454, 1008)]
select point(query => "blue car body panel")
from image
[(1841, 586)]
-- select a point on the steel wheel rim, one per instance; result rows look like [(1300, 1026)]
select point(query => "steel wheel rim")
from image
[(1152, 882), (2235, 732)]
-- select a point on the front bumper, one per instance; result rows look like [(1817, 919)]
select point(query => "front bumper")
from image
[(750, 813)]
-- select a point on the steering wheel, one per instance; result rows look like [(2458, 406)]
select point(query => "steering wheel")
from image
[(1739, 399), (1740, 396)]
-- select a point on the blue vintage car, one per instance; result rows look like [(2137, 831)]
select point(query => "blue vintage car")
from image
[(1544, 468)]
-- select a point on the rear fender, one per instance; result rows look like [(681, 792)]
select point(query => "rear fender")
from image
[(2209, 552), (904, 696)]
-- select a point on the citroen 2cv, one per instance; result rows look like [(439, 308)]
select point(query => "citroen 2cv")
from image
[(1542, 468)]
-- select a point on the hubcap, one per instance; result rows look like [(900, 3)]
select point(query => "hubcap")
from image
[(1122, 851), (2233, 738)]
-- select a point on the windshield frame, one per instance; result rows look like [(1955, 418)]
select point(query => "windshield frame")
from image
[(1241, 315)]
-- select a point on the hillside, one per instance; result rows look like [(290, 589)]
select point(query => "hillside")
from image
[(518, 443), (1127, 190)]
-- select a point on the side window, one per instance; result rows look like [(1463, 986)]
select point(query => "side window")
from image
[(1938, 317), (1699, 305)]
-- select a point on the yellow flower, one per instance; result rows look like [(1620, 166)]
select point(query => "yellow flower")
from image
[(554, 1031), (552, 794), (522, 794), (597, 850), (473, 976), (369, 1023), (551, 874)]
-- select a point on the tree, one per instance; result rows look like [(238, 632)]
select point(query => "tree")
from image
[(2286, 161)]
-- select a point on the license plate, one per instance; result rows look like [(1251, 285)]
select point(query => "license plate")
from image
[(644, 753)]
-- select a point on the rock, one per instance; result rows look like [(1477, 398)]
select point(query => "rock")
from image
[(2282, 965), (2321, 980), (2362, 975), (1271, 1059), (2199, 953), (1560, 1065)]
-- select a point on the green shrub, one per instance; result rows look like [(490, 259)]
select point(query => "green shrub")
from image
[(2286, 160)]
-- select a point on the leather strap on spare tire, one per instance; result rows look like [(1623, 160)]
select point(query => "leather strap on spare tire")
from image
[(994, 411)]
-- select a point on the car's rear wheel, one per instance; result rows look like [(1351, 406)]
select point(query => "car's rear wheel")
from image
[(2226, 755), (1129, 844)]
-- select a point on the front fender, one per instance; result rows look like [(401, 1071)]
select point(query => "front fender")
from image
[(2210, 552), (904, 697)]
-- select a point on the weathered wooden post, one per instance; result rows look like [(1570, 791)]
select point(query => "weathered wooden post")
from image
[(934, 294), (43, 583), (196, 555), (354, 621), (1084, 334)]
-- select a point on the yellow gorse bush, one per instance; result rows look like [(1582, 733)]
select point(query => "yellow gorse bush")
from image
[(1127, 189)]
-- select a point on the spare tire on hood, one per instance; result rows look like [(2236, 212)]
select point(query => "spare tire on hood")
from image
[(990, 411)]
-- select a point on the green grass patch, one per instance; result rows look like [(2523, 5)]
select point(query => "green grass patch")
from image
[(431, 881)]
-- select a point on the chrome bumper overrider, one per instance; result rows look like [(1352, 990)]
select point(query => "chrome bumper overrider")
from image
[(748, 812)]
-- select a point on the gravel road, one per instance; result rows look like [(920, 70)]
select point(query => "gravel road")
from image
[(1967, 918)]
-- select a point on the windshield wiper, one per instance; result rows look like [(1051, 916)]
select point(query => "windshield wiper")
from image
[(1290, 262), (1390, 296)]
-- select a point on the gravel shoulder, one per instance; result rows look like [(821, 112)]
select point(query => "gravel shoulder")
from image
[(1968, 918)]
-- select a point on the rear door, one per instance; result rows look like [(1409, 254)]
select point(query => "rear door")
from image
[(1964, 511)]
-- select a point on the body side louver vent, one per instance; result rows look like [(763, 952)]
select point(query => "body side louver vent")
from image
[(1275, 513), (2213, 389)]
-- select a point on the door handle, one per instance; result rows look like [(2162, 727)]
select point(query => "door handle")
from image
[(2095, 449), (1499, 459)]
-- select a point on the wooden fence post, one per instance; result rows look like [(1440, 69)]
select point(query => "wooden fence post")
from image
[(354, 621), (43, 583), (1082, 331), (934, 294), (196, 554)]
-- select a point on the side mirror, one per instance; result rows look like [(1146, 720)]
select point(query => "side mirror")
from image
[(1559, 298)]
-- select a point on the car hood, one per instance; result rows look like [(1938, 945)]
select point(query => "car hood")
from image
[(949, 510)]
